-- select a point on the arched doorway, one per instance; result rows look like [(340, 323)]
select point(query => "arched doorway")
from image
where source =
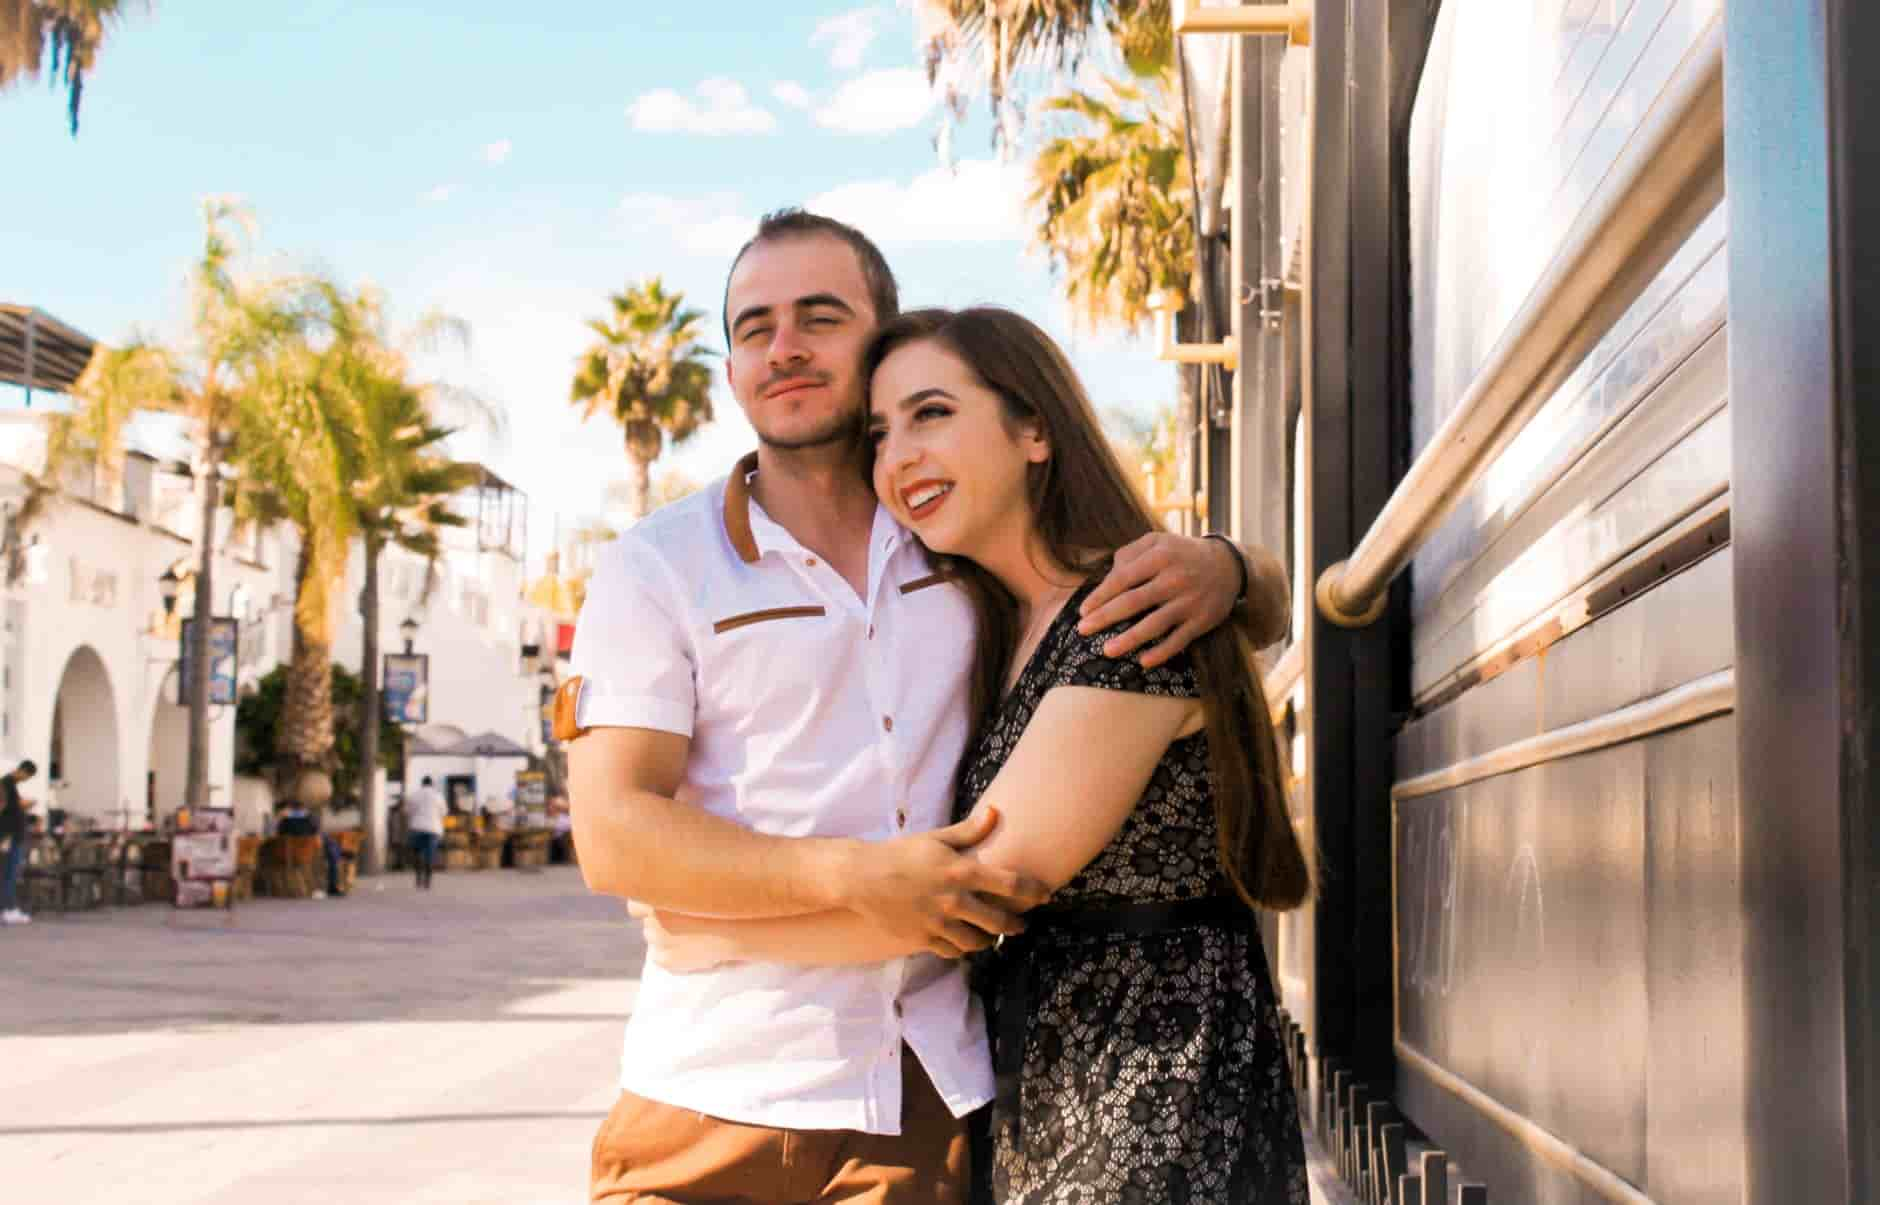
[(83, 761), (169, 753)]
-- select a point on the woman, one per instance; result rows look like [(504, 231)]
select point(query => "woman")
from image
[(1135, 1032)]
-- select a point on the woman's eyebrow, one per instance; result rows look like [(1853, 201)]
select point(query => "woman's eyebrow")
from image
[(920, 395)]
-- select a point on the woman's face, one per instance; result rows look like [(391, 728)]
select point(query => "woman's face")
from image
[(948, 464)]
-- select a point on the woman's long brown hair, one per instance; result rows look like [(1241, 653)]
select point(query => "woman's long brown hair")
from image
[(1085, 509)]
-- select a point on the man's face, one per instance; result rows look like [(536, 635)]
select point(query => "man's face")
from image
[(800, 318)]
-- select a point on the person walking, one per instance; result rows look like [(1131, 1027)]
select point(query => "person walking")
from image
[(768, 706), (14, 830), (424, 821)]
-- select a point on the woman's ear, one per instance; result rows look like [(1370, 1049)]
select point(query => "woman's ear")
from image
[(1032, 440)]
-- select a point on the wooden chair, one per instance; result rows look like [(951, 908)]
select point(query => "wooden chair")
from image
[(291, 867)]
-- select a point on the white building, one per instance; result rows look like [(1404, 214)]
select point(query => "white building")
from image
[(88, 652)]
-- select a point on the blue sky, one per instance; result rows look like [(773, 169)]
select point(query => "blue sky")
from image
[(512, 166)]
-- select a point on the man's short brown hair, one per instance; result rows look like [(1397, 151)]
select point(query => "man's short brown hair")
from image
[(883, 294)]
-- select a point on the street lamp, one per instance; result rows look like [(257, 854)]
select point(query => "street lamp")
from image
[(409, 630), (168, 586)]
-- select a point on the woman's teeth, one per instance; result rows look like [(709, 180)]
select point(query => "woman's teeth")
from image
[(927, 494)]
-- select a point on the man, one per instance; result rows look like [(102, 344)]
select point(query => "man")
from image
[(297, 821), (779, 647), (13, 829), (424, 820)]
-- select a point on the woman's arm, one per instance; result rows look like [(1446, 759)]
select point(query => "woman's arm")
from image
[(840, 937), (1075, 776)]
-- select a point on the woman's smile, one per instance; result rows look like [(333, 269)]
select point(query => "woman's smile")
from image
[(923, 498)]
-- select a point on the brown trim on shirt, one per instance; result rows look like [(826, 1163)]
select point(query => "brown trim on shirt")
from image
[(750, 617), (921, 583), (738, 509)]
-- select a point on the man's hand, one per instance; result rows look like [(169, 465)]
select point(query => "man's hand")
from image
[(926, 889), (1182, 586)]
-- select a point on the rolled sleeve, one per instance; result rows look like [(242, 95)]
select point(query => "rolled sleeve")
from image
[(630, 649)]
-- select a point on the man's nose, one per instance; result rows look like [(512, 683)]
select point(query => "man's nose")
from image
[(787, 347)]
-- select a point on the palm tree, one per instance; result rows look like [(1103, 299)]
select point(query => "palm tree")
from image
[(62, 36), (1113, 204), (649, 371), (352, 452), (988, 43), (229, 364), (402, 492)]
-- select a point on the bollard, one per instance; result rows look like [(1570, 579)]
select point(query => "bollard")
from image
[(1472, 1194), (1357, 1097), (1393, 1165), (1435, 1178), (1376, 1114)]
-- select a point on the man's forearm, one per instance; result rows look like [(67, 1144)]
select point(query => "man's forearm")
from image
[(675, 856), (1267, 613)]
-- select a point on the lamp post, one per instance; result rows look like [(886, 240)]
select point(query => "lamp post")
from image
[(169, 585)]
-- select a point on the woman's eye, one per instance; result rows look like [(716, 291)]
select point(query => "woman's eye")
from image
[(931, 410), (876, 435)]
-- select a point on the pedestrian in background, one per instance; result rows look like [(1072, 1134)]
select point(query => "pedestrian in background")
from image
[(424, 820), (13, 811)]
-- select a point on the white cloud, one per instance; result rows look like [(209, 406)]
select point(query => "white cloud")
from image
[(848, 35), (440, 193), (722, 107), (496, 152), (791, 93), (980, 201), (709, 225), (878, 102)]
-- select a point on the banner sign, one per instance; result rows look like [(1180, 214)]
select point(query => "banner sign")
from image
[(406, 693), (224, 643)]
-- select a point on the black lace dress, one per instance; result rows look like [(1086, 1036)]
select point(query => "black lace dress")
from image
[(1152, 1068)]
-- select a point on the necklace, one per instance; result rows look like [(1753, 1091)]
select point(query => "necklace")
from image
[(1043, 613)]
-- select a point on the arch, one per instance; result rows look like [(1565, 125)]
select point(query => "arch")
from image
[(82, 762), (165, 783)]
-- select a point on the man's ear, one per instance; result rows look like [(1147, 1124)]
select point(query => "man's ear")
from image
[(731, 382)]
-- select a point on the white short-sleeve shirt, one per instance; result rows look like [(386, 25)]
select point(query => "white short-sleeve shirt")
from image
[(811, 712)]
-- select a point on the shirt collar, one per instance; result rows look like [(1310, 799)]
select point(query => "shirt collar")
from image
[(752, 534)]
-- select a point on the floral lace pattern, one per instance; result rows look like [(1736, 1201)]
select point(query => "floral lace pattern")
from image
[(1153, 1069)]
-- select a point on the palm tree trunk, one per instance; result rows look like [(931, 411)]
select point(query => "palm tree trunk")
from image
[(371, 807), (304, 736), (196, 774)]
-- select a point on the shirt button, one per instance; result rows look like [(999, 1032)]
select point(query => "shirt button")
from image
[(811, 562), (897, 1008), (900, 817), (887, 723), (871, 631)]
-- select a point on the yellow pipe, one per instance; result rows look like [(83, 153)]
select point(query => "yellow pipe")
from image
[(1164, 305), (1292, 20)]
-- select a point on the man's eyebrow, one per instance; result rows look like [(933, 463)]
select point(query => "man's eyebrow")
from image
[(828, 299), (748, 313)]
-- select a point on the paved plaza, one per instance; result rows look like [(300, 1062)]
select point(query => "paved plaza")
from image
[(452, 1046), (393, 1046)]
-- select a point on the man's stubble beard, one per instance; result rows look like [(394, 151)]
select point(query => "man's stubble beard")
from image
[(840, 428)]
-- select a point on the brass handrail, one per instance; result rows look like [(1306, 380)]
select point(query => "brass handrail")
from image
[(1668, 180)]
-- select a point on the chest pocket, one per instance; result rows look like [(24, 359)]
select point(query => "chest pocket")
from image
[(732, 623)]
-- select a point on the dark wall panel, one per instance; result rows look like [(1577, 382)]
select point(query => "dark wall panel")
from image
[(1569, 943)]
